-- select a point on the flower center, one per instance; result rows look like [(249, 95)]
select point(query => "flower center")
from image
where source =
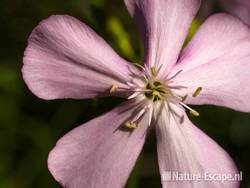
[(156, 90), (154, 94)]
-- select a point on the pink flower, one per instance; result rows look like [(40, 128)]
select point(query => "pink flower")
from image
[(67, 59)]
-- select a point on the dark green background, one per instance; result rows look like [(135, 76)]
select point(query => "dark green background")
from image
[(29, 127)]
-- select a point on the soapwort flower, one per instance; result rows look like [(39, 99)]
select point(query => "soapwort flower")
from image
[(66, 59)]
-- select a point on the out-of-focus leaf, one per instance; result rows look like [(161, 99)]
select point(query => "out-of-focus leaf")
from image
[(133, 181), (240, 129), (98, 3), (118, 33), (9, 80), (194, 27)]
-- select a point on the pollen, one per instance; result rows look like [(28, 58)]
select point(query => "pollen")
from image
[(113, 88), (131, 125), (197, 92)]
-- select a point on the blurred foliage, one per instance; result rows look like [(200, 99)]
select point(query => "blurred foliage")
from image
[(29, 127), (114, 26)]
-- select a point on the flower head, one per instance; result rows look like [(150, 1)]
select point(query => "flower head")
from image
[(67, 59)]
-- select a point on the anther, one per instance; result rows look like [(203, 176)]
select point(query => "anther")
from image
[(113, 88), (131, 125), (191, 111), (197, 92), (194, 113), (153, 71)]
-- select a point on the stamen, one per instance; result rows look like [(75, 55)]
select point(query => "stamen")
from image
[(197, 92), (184, 98), (159, 68), (113, 88), (153, 71), (134, 122), (175, 108), (192, 111), (151, 111), (140, 114), (130, 84), (142, 90), (176, 74), (134, 95), (177, 87), (140, 66), (131, 125), (145, 78)]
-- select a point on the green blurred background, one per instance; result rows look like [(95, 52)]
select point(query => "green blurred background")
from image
[(29, 127)]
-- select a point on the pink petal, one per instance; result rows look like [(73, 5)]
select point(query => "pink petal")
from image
[(164, 25), (67, 59), (183, 148), (218, 60), (100, 153)]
